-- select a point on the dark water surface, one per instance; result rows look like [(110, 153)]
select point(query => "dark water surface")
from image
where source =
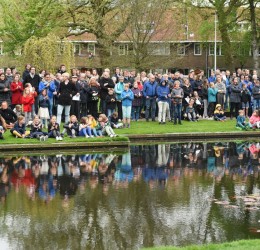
[(176, 194)]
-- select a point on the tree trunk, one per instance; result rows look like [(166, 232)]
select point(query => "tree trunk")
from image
[(254, 34)]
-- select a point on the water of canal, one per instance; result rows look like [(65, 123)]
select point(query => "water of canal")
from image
[(151, 195)]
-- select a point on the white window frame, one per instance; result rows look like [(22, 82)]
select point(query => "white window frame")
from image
[(211, 45), (200, 46), (124, 50), (74, 48), (1, 49), (181, 47), (160, 49), (93, 49), (18, 52)]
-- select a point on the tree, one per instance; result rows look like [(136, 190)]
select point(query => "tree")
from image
[(22, 19)]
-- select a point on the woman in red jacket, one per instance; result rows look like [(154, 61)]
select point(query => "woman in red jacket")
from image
[(27, 101), (17, 91)]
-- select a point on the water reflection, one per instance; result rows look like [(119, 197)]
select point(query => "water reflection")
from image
[(152, 195)]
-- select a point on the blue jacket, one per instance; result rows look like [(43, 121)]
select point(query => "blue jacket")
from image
[(119, 88), (212, 93), (52, 88), (43, 103), (149, 89), (127, 97), (241, 120), (162, 93)]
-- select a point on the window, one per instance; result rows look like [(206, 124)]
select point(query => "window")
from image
[(181, 50), (77, 49), (212, 49), (91, 48), (61, 48), (123, 49), (18, 52), (197, 49), (159, 49), (1, 49)]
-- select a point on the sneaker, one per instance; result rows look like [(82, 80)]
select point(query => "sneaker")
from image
[(60, 138), (111, 135), (46, 137), (92, 136), (87, 136), (57, 138), (41, 138)]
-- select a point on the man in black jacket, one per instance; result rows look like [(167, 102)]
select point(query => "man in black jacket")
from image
[(34, 79), (8, 114)]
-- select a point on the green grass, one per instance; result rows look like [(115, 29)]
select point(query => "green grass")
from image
[(143, 127), (236, 245)]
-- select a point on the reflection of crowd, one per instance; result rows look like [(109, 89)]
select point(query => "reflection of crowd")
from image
[(43, 177)]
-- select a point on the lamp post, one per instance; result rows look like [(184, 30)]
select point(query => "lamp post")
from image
[(215, 44)]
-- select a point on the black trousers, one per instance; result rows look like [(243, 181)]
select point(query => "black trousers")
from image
[(234, 106)]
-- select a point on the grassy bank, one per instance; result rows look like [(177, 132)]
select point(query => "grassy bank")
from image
[(141, 128), (236, 245)]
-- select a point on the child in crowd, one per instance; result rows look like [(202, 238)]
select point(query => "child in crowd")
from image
[(84, 128), (110, 102), (137, 102), (27, 101), (241, 121), (18, 110), (212, 99), (105, 124), (245, 98), (114, 121), (36, 130), (19, 128), (94, 125), (44, 104), (72, 127), (198, 104), (190, 111), (127, 98), (33, 93), (3, 127), (254, 120), (219, 114), (54, 129)]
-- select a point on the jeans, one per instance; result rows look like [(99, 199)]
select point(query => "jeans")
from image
[(53, 133), (205, 103), (50, 106), (59, 113), (163, 106), (150, 103), (85, 131), (135, 112), (110, 112), (234, 105), (256, 104), (177, 111)]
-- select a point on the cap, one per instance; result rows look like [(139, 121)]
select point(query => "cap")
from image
[(218, 105), (191, 70)]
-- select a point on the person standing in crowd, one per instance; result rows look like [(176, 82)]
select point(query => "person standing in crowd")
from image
[(127, 99), (205, 87), (256, 95), (9, 76), (66, 91), (105, 83), (75, 104), (245, 98), (137, 102), (34, 79), (62, 69), (48, 84), (57, 81), (26, 71), (212, 99), (235, 98), (177, 96), (118, 90), (16, 90), (93, 92), (83, 84), (4, 89), (221, 87), (27, 102), (163, 93), (149, 92), (110, 102)]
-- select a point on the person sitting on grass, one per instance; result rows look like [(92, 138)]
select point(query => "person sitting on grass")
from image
[(241, 121), (19, 130), (94, 125), (54, 129), (84, 128), (72, 127), (3, 127), (8, 114), (219, 114), (105, 124), (190, 112), (254, 120), (36, 130), (114, 121)]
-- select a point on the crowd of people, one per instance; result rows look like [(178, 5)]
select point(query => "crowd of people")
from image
[(45, 176), (93, 104)]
